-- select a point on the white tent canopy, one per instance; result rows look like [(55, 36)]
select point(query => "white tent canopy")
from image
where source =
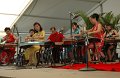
[(10, 11), (52, 13)]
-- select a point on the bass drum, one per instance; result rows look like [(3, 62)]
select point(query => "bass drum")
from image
[(4, 57)]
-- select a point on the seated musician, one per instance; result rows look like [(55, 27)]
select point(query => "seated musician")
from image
[(110, 34), (30, 53), (98, 32), (29, 37), (9, 38), (55, 37)]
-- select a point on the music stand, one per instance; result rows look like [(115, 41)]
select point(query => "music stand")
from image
[(87, 68)]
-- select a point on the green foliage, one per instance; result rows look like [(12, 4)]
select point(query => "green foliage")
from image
[(110, 19), (85, 18), (105, 19)]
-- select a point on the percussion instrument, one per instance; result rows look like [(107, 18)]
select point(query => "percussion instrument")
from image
[(93, 40), (8, 45), (58, 43), (52, 43), (112, 40), (80, 40), (31, 43), (69, 41)]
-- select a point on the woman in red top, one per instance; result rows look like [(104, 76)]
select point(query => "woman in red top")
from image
[(8, 53), (98, 32)]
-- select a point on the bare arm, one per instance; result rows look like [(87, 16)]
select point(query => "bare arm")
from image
[(89, 30), (28, 38), (97, 31), (39, 36), (77, 35), (15, 38), (116, 34), (105, 37)]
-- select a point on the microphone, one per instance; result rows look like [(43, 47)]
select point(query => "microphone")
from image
[(15, 28), (61, 30), (73, 14)]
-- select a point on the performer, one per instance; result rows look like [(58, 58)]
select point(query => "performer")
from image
[(29, 37), (38, 36), (110, 34), (77, 33), (96, 31), (55, 37), (7, 55)]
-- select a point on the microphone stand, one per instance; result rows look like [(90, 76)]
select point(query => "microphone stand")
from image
[(87, 68), (70, 24), (19, 40), (74, 45), (72, 60)]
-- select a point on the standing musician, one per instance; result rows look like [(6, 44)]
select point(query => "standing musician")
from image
[(38, 36), (7, 54), (55, 37), (110, 34), (76, 35), (98, 32)]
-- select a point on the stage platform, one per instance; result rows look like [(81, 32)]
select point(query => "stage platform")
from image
[(11, 71)]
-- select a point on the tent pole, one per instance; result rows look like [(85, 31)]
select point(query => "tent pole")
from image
[(101, 8)]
